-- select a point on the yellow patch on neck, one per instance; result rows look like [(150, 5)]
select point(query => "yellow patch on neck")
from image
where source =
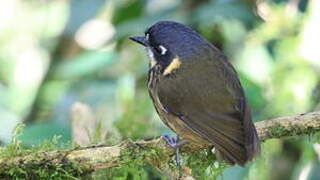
[(175, 64)]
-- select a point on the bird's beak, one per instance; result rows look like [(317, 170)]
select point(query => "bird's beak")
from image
[(140, 39)]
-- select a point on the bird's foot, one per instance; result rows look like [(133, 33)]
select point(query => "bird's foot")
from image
[(171, 140), (175, 143)]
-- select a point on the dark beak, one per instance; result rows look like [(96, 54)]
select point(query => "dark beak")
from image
[(140, 39)]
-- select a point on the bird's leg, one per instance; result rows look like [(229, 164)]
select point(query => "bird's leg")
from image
[(175, 143)]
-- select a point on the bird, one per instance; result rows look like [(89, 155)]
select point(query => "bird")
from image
[(197, 93)]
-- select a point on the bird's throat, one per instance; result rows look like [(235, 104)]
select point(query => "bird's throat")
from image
[(153, 62)]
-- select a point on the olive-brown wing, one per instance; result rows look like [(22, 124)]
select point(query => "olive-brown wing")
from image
[(210, 104)]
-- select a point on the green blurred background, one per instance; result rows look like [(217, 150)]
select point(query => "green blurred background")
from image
[(67, 67)]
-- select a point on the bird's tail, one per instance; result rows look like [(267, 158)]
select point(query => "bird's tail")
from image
[(246, 152), (252, 143)]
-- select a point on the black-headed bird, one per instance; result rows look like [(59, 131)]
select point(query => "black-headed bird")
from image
[(197, 92)]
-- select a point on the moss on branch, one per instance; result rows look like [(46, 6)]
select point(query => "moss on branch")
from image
[(70, 164)]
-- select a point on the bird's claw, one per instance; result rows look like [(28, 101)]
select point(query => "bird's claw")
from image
[(171, 141)]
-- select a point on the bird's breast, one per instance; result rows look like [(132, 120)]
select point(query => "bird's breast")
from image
[(174, 122)]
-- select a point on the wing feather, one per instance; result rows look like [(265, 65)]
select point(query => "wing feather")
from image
[(212, 103)]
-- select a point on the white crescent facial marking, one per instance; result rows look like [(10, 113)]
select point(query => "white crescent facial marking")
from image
[(163, 50)]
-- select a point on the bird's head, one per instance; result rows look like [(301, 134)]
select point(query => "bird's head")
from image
[(167, 41)]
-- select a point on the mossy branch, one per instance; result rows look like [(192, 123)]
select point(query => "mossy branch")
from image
[(154, 152), (302, 124)]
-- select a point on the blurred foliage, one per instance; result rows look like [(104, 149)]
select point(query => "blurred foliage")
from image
[(56, 53)]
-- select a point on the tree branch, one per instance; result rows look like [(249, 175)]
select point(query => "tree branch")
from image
[(154, 152), (302, 124)]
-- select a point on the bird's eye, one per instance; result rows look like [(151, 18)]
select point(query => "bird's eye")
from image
[(160, 49)]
